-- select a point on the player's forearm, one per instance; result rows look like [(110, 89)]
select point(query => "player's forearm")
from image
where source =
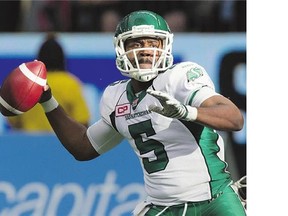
[(71, 134), (221, 117)]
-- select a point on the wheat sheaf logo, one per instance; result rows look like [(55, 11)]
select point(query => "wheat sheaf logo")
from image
[(194, 73)]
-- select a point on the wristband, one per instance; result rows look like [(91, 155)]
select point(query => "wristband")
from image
[(50, 105), (192, 113)]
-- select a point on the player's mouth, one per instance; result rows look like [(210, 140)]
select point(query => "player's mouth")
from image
[(145, 63)]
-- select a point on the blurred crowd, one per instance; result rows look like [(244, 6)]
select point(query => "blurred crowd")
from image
[(103, 15)]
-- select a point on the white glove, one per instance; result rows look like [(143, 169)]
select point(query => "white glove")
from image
[(171, 107)]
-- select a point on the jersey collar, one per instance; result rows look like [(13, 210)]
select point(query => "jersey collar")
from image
[(133, 99)]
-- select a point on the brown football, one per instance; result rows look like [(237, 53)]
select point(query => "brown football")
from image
[(22, 88)]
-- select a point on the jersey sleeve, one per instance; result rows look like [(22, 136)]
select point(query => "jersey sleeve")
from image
[(103, 137), (106, 105), (201, 95), (199, 80), (102, 134), (109, 99), (189, 83)]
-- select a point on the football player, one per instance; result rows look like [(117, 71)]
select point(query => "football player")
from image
[(169, 113)]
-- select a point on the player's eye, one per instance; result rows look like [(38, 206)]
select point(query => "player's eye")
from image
[(151, 43), (133, 45)]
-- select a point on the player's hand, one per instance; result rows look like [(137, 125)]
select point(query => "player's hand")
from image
[(171, 107), (47, 101), (46, 95)]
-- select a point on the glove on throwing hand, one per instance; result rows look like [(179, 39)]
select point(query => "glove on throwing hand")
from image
[(171, 107)]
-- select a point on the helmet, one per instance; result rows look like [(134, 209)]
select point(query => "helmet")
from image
[(143, 23)]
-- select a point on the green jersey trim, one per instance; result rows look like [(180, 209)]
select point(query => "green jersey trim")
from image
[(206, 139), (132, 98)]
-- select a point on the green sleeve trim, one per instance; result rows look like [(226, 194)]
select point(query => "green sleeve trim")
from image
[(192, 97)]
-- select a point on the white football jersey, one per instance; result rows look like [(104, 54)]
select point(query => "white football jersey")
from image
[(181, 161)]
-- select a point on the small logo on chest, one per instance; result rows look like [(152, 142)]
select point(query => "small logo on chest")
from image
[(123, 109)]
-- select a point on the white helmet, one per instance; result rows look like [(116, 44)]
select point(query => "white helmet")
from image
[(143, 24)]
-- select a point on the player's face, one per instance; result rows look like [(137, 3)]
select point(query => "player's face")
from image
[(144, 56)]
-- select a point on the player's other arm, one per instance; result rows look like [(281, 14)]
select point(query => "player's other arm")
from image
[(220, 113), (216, 111)]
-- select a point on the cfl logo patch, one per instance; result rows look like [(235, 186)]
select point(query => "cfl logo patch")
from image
[(122, 110)]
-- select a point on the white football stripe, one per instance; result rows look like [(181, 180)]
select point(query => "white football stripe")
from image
[(32, 76), (8, 107)]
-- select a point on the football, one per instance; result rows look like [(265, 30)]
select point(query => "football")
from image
[(22, 88)]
